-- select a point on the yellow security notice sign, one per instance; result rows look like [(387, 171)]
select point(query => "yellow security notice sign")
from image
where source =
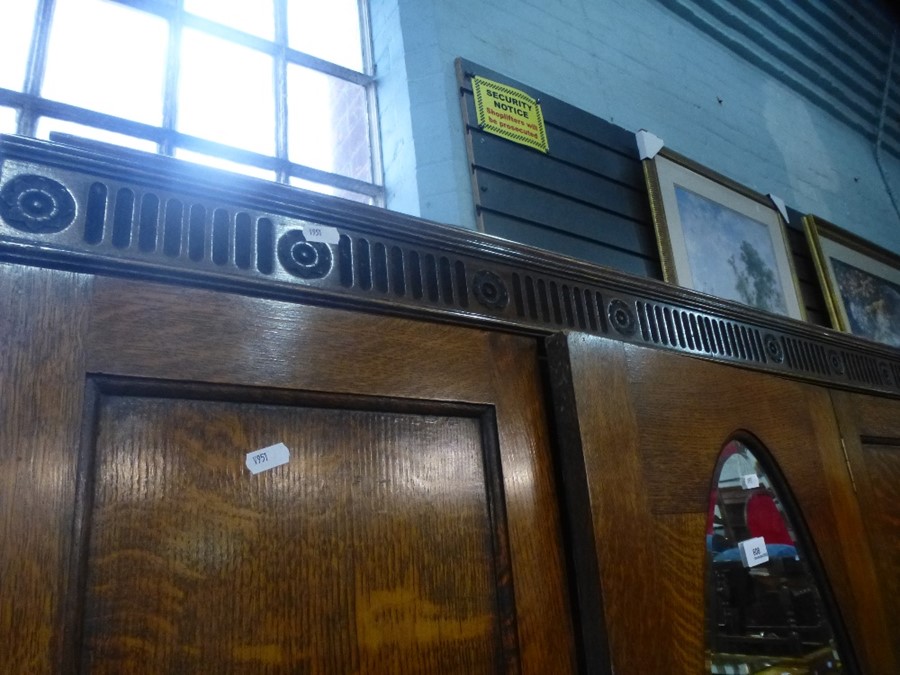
[(509, 113)]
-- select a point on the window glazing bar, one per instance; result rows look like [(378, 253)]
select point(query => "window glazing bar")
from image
[(37, 59)]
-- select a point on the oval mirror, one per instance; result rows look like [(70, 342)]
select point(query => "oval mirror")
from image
[(765, 608)]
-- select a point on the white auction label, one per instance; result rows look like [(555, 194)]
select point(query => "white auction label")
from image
[(749, 481), (322, 233), (268, 458), (753, 552)]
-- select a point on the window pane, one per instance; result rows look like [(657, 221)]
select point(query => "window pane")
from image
[(329, 30), (226, 93), (7, 121), (47, 125), (227, 165), (256, 17), (16, 27), (328, 126), (107, 57), (329, 190)]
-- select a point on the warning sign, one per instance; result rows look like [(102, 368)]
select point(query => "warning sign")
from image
[(509, 113)]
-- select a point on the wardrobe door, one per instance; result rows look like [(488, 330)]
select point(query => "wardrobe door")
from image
[(43, 318), (266, 487), (871, 430), (641, 431)]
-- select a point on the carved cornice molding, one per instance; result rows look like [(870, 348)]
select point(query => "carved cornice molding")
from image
[(153, 217)]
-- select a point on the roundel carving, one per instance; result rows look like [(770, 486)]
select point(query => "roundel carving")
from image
[(301, 258), (37, 204), (621, 317), (490, 290), (836, 362), (773, 348)]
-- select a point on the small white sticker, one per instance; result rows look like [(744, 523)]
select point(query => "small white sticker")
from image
[(322, 233), (749, 481), (753, 552), (268, 458)]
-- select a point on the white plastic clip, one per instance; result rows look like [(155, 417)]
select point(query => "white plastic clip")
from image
[(648, 144), (780, 205)]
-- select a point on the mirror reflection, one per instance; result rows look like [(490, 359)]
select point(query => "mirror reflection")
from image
[(765, 612)]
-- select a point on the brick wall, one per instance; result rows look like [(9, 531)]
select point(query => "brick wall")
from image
[(638, 65)]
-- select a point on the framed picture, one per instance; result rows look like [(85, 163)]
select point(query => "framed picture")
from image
[(720, 238), (861, 282)]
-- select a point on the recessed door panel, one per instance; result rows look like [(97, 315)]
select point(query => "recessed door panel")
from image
[(416, 527), (871, 430), (371, 550)]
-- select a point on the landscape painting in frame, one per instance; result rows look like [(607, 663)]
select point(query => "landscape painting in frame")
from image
[(861, 282), (720, 238)]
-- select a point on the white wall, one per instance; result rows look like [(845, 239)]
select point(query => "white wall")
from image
[(637, 65)]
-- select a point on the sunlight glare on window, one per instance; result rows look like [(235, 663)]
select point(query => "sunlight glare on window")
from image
[(226, 165), (16, 27), (226, 93), (47, 126), (7, 121), (329, 30), (215, 82), (251, 16), (329, 190), (328, 128), (107, 57)]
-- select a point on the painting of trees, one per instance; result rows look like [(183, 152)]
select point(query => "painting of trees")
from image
[(755, 281)]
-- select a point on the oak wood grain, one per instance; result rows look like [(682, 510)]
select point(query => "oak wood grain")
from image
[(621, 521), (883, 467), (370, 551), (688, 409), (676, 535), (532, 506), (871, 431), (154, 330), (43, 315), (652, 425), (191, 335)]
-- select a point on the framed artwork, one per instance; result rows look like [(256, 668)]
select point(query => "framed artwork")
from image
[(861, 282), (720, 238)]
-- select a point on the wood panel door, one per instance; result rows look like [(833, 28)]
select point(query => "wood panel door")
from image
[(640, 434), (870, 428), (414, 528)]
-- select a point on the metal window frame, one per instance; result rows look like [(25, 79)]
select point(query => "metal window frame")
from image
[(30, 106)]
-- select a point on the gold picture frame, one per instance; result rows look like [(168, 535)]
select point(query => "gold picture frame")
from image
[(860, 281), (719, 237)]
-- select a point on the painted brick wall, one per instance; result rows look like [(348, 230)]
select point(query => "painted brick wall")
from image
[(394, 107), (638, 65)]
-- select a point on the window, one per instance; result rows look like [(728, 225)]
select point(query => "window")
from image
[(278, 89)]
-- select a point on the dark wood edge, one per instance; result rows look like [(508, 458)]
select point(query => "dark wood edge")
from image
[(578, 526), (508, 660), (72, 631)]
